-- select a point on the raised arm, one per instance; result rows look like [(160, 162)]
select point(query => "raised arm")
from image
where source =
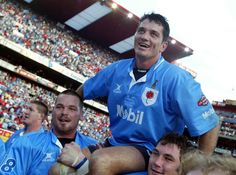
[(80, 91)]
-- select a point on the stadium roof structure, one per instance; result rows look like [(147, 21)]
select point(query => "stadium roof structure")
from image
[(104, 22)]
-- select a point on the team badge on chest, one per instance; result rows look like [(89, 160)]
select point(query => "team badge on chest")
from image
[(149, 96)]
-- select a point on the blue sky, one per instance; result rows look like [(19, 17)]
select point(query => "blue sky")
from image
[(209, 28)]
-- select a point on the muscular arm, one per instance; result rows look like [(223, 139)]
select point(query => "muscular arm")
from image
[(106, 161), (207, 142)]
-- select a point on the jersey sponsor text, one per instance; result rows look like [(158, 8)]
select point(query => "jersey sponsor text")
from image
[(129, 115)]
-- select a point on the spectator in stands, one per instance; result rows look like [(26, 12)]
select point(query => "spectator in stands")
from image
[(15, 95), (35, 113), (147, 98), (197, 163), (37, 153), (35, 32)]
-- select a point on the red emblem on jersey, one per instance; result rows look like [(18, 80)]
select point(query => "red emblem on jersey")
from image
[(149, 94), (203, 101)]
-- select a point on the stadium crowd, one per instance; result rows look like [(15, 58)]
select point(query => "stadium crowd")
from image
[(16, 93), (51, 39), (54, 41)]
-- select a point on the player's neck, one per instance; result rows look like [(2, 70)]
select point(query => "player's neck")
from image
[(31, 128), (70, 135), (142, 63)]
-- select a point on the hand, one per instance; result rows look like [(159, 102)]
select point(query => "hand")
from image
[(61, 169), (71, 155)]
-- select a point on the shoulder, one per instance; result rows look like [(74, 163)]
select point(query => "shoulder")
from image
[(85, 140), (115, 69), (39, 138), (172, 71), (2, 147), (121, 63), (17, 132), (1, 143), (173, 68)]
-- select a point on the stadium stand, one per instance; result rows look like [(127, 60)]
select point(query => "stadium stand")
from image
[(37, 33)]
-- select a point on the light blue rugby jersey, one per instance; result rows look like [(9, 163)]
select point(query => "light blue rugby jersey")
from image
[(19, 134), (165, 100), (2, 147), (35, 154), (53, 150), (18, 157), (137, 173), (14, 148)]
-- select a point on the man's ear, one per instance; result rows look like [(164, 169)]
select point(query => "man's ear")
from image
[(164, 45), (81, 116), (42, 116)]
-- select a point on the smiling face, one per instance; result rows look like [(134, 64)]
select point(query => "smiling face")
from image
[(65, 115), (165, 159), (148, 41)]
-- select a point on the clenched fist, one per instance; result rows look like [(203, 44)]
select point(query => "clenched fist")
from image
[(61, 169)]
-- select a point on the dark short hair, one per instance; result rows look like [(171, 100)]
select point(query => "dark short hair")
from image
[(159, 19), (173, 138), (73, 93)]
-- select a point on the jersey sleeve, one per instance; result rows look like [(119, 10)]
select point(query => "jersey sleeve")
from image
[(98, 86), (191, 104)]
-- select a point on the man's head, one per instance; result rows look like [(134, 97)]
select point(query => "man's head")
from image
[(165, 158), (158, 19), (66, 113), (34, 114), (151, 37), (195, 162)]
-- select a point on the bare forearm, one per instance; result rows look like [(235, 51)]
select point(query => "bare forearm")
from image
[(208, 141), (79, 91)]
